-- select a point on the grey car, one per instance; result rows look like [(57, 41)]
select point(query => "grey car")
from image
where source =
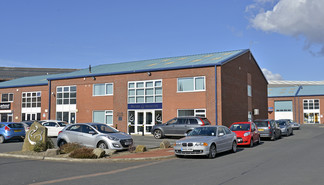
[(208, 141), (94, 135), (178, 126), (293, 124), (268, 128), (285, 127)]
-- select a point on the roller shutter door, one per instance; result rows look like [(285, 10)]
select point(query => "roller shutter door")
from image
[(283, 110)]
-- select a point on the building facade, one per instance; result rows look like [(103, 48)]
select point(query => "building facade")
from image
[(224, 87), (299, 101)]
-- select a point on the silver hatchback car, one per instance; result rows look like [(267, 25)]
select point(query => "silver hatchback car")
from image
[(207, 140), (94, 135)]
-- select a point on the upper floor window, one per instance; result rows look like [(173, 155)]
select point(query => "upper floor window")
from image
[(145, 91), (249, 90), (311, 104), (191, 84), (65, 95), (31, 99), (103, 89), (7, 97)]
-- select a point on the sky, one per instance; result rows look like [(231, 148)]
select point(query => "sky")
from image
[(286, 37)]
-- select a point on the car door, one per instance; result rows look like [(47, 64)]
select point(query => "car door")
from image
[(87, 136), (229, 137), (72, 133), (221, 139), (50, 128), (168, 128), (254, 132), (180, 127)]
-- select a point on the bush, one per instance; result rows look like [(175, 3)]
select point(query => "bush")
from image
[(83, 153), (41, 147), (69, 147)]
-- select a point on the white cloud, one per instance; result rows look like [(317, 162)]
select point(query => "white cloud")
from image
[(270, 76), (297, 18)]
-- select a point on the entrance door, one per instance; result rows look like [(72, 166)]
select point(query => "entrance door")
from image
[(144, 121)]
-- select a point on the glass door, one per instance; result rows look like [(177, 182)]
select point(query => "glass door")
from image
[(144, 121)]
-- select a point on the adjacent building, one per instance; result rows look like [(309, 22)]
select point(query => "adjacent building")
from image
[(223, 86), (296, 100)]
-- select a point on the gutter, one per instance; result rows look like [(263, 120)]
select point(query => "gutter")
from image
[(49, 99)]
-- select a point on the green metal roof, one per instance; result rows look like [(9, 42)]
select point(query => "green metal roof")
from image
[(302, 90), (181, 62)]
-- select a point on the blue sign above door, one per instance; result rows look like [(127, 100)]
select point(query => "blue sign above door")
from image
[(145, 106)]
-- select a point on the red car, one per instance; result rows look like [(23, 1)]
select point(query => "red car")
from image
[(246, 132)]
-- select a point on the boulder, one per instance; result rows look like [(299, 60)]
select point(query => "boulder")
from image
[(165, 144), (99, 152), (52, 152), (110, 152), (140, 148), (36, 133)]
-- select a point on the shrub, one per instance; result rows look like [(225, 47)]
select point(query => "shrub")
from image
[(39, 146), (49, 144), (69, 147), (83, 153)]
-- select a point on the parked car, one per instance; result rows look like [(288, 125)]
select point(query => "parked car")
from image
[(293, 124), (285, 127), (178, 126), (268, 128), (11, 130), (246, 132), (53, 127), (94, 135), (27, 124), (208, 141)]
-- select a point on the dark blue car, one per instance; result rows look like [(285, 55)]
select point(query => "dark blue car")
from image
[(10, 130)]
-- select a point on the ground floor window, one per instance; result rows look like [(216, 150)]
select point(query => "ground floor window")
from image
[(192, 112), (6, 117), (103, 116), (311, 118), (67, 116), (30, 116)]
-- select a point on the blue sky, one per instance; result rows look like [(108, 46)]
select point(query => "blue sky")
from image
[(286, 42)]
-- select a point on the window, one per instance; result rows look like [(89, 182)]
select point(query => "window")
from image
[(311, 104), (66, 95), (145, 91), (191, 84), (31, 99), (249, 90), (103, 89), (7, 97), (192, 112), (103, 117)]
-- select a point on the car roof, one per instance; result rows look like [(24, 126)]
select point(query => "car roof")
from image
[(247, 122), (7, 123)]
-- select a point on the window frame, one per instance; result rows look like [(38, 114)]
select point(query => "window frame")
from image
[(133, 86), (62, 98), (106, 113), (106, 93), (196, 113), (194, 84), (12, 99)]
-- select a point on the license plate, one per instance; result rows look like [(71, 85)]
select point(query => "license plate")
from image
[(186, 149), (17, 131), (239, 140), (261, 129), (128, 143)]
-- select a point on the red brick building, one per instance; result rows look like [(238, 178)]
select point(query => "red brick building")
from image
[(224, 87)]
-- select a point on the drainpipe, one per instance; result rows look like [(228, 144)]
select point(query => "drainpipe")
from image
[(49, 99), (216, 95)]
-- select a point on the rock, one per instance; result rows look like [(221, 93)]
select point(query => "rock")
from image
[(52, 152), (99, 152), (165, 144), (36, 133), (140, 148), (110, 152)]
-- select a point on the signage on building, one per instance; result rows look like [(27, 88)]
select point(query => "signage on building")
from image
[(5, 106), (145, 106), (270, 109)]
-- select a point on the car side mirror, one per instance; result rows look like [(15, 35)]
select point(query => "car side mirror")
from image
[(221, 134)]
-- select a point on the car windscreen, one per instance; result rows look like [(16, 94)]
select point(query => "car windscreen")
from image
[(240, 127), (281, 123), (261, 123), (203, 131), (104, 128), (16, 125), (62, 124)]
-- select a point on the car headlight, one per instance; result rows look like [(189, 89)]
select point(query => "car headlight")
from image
[(113, 138), (177, 144), (201, 144), (247, 133)]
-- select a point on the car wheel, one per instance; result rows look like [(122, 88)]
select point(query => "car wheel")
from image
[(287, 133), (234, 147), (102, 145), (212, 152), (273, 137), (259, 140), (157, 134), (251, 142), (61, 143), (2, 139), (280, 136), (292, 132)]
